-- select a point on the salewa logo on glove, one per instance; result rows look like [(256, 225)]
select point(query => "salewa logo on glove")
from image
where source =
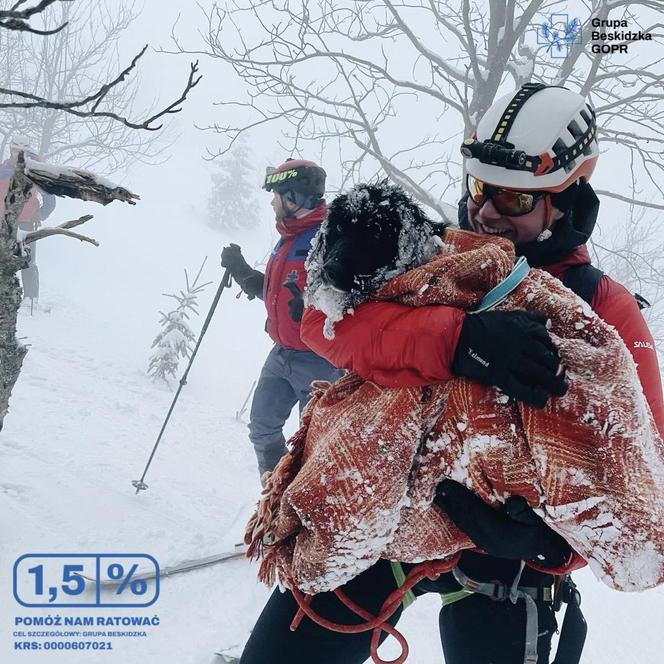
[(643, 344), (476, 357)]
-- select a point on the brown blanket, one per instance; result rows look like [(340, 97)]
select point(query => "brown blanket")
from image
[(359, 480)]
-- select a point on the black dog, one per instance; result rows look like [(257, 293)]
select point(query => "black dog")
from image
[(371, 234)]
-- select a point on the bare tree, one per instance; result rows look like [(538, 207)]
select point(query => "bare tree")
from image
[(18, 19), (94, 103), (365, 76), (14, 255), (74, 60), (78, 102)]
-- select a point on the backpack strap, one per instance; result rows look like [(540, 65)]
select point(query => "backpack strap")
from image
[(641, 301), (583, 280)]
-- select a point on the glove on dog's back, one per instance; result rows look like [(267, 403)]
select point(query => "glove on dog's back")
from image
[(511, 350)]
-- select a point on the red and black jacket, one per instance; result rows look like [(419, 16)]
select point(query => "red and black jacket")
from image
[(286, 265)]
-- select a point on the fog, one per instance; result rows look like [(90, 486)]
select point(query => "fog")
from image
[(109, 298)]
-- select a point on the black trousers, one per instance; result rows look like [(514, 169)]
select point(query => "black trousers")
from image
[(479, 630), (474, 630)]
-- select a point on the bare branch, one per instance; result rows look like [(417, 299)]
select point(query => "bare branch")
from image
[(627, 199), (57, 230), (93, 100), (40, 233), (426, 52), (15, 19)]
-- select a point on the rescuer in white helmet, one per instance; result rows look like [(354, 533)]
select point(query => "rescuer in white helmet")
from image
[(527, 172)]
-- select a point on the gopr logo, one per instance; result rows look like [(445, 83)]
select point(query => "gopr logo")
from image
[(559, 34), (274, 178)]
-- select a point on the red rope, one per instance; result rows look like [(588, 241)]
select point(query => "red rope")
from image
[(431, 569)]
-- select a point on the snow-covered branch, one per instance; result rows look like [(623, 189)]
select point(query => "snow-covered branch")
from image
[(14, 256), (74, 183)]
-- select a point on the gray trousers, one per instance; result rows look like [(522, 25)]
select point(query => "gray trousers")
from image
[(30, 276), (284, 381)]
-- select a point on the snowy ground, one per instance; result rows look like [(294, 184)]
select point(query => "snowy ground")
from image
[(84, 417)]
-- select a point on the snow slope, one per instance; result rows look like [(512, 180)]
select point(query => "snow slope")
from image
[(82, 421)]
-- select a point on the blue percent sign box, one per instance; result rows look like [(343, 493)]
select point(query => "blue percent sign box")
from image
[(69, 579)]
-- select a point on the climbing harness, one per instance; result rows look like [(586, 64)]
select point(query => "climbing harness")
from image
[(431, 569)]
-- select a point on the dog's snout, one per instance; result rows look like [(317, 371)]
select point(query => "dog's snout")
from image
[(337, 265), (334, 273)]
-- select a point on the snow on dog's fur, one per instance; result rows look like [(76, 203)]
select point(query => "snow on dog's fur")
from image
[(371, 234), (359, 479)]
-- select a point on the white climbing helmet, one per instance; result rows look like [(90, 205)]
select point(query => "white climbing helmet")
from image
[(540, 138)]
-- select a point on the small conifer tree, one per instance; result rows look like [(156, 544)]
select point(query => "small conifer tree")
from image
[(176, 337)]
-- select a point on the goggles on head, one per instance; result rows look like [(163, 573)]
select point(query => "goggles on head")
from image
[(508, 202), (275, 178)]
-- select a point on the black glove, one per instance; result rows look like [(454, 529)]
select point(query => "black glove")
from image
[(514, 531), (249, 280), (511, 350), (232, 258), (296, 303)]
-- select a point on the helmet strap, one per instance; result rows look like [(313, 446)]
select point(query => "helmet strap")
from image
[(566, 199), (301, 201)]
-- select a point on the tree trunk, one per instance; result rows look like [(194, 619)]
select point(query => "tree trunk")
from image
[(12, 351)]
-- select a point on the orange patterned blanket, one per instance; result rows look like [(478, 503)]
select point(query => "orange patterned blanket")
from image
[(360, 477)]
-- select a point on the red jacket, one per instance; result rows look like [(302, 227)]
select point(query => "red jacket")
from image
[(286, 264), (400, 346)]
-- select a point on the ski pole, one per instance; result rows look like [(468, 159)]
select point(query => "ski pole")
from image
[(140, 485), (240, 413)]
